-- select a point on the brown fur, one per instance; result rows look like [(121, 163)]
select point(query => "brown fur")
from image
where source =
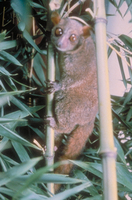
[(75, 102)]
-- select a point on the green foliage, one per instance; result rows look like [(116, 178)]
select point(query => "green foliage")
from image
[(22, 170)]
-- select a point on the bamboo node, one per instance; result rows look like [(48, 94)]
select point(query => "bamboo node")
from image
[(111, 154), (49, 157), (100, 19)]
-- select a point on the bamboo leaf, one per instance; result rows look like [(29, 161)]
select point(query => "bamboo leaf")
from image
[(97, 197), (120, 151), (3, 165), (94, 168), (4, 100), (8, 57), (10, 82), (39, 66), (18, 170), (109, 51), (29, 194), (124, 177), (7, 45), (121, 67), (120, 3), (21, 152), (32, 196), (30, 40), (20, 105), (34, 177), (36, 80), (130, 150), (115, 4), (6, 120), (4, 144), (6, 191), (129, 3), (91, 189), (4, 71), (58, 178), (128, 97), (17, 92), (38, 132), (36, 5), (23, 10), (129, 115), (18, 7), (48, 178), (129, 69), (121, 119), (21, 26), (8, 160), (22, 114), (128, 9), (127, 41), (4, 131), (2, 197), (70, 192), (2, 36)]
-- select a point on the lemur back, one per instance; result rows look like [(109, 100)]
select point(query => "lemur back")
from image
[(75, 101)]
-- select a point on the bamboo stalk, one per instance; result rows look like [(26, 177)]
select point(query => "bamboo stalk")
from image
[(49, 157), (107, 149)]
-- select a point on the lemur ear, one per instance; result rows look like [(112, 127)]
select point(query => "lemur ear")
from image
[(55, 17), (86, 31)]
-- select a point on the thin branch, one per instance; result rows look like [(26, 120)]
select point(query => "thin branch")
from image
[(73, 7), (118, 53)]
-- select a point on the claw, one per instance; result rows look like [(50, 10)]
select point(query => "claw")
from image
[(50, 121), (49, 87), (52, 86), (47, 120)]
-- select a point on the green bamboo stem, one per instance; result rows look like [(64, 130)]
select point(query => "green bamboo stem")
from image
[(107, 149), (49, 157)]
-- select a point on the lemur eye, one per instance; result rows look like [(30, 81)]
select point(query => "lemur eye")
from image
[(73, 38), (58, 32)]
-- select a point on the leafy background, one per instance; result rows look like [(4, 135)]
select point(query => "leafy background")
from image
[(22, 108)]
